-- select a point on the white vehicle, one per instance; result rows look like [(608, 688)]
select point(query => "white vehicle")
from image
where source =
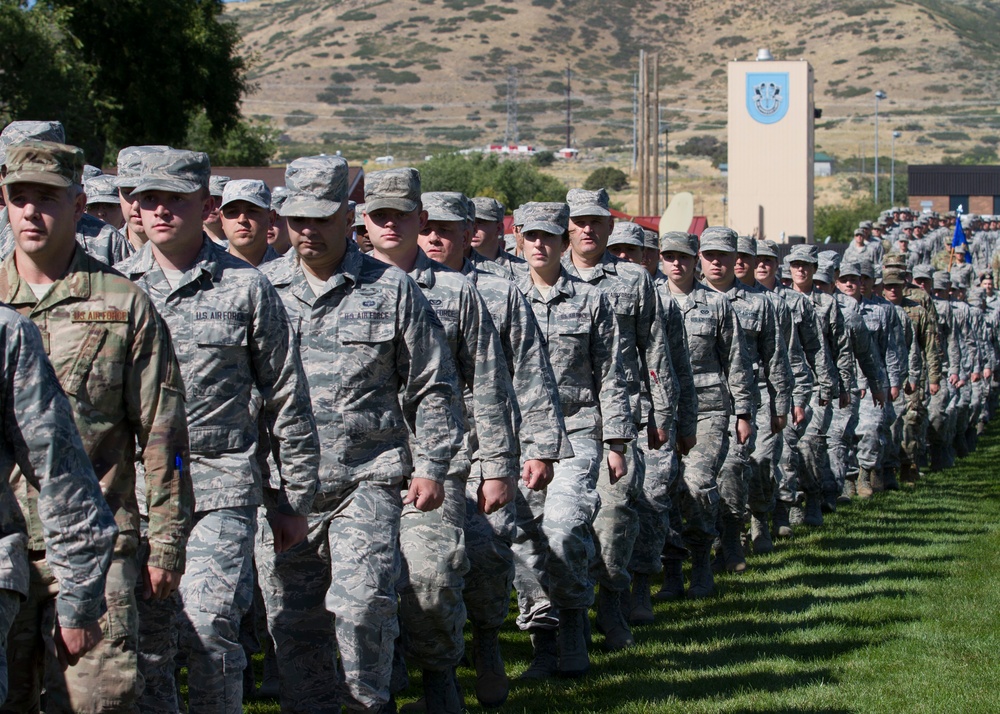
[(385, 160)]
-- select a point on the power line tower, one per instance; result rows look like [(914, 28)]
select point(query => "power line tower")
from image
[(510, 135)]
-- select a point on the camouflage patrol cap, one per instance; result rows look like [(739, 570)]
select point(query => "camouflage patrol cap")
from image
[(824, 274), (100, 189), (865, 224), (488, 209), (786, 270), (252, 191), (959, 249), (398, 189), (894, 260), (985, 274), (976, 296), (859, 231), (278, 196), (942, 281), (18, 131), (679, 242), (893, 276), (650, 240), (626, 233), (317, 186), (804, 253), (517, 219), (905, 225), (549, 217), (903, 237), (923, 272), (173, 170), (470, 209), (90, 172), (829, 257), (130, 163), (851, 268), (588, 203), (718, 238), (767, 249), (867, 269), (217, 185), (359, 215), (746, 245), (444, 205), (44, 162)]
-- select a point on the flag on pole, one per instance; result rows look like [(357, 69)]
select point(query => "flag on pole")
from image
[(958, 239)]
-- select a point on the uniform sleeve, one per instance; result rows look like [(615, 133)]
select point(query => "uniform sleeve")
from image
[(817, 352), (609, 374), (429, 395), (283, 388), (77, 523), (930, 343), (480, 354), (774, 357), (154, 395), (542, 432), (654, 356), (868, 355), (680, 358), (734, 356), (802, 378), (895, 348), (956, 355), (841, 348)]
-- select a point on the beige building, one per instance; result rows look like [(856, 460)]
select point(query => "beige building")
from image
[(771, 148)]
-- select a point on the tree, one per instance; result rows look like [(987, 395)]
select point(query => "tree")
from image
[(606, 177), (510, 182), (158, 64), (248, 143)]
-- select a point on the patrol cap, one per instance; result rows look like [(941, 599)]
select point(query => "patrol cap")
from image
[(976, 295), (904, 225), (903, 238), (588, 203), (894, 260), (942, 281), (923, 272), (90, 172), (865, 224), (824, 274), (851, 268), (893, 276), (786, 272), (985, 274), (18, 131), (173, 170), (627, 233), (517, 218), (867, 269), (444, 205), (829, 257), (488, 209), (746, 245), (718, 238), (359, 215), (398, 189), (317, 186), (679, 242), (803, 253), (100, 189), (130, 163), (252, 191), (650, 239), (549, 217), (767, 249), (859, 231), (44, 162), (217, 185), (278, 196)]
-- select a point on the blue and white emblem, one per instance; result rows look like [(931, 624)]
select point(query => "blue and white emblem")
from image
[(767, 96)]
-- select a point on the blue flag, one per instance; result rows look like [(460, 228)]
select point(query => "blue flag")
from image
[(959, 240)]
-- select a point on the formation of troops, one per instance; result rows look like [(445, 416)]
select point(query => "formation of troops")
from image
[(240, 418)]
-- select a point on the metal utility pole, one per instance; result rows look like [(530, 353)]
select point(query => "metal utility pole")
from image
[(569, 129), (635, 117), (510, 134), (878, 95), (892, 170), (656, 136), (643, 122), (666, 165)]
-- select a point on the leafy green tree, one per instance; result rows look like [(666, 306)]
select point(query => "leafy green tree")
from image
[(606, 177), (247, 143), (509, 181)]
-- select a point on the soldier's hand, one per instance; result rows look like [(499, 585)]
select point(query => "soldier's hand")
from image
[(987, 373), (743, 430), (798, 416), (617, 466), (656, 437), (159, 584), (778, 423), (72, 643), (845, 400), (975, 377), (288, 530), (878, 397), (935, 388), (424, 494), (893, 393), (537, 474), (494, 494), (953, 380), (685, 444)]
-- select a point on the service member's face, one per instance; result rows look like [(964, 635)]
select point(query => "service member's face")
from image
[(43, 218), (391, 230), (130, 211), (215, 214), (767, 268), (110, 213), (867, 285), (170, 218), (802, 273), (487, 232), (631, 253), (893, 293), (245, 223), (744, 266), (925, 284), (277, 234), (588, 235), (321, 241), (678, 267), (859, 238), (362, 239), (850, 285), (542, 250), (988, 285), (823, 286), (651, 259), (444, 241), (717, 265)]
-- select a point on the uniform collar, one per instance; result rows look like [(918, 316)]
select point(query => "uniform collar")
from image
[(75, 284), (564, 285), (607, 265), (423, 270)]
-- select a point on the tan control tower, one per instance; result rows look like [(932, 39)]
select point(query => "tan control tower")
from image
[(771, 147)]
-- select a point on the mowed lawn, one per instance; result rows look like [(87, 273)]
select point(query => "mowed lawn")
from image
[(892, 606)]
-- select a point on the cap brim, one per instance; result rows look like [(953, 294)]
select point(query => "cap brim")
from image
[(438, 215), (546, 226), (592, 210), (103, 198), (249, 199), (396, 204), (165, 183), (802, 259), (672, 247), (766, 254), (308, 207), (627, 241), (719, 247), (40, 177), (126, 181)]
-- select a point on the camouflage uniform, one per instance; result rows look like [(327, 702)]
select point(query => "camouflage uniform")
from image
[(40, 443), (943, 407), (378, 366), (231, 335)]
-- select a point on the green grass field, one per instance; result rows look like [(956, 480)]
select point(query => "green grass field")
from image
[(892, 606)]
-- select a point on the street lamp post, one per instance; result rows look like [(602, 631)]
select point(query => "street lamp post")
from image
[(878, 95), (892, 170)]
